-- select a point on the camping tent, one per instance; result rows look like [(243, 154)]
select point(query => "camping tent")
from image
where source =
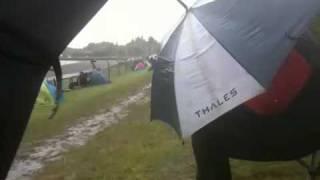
[(139, 66), (97, 77), (45, 96)]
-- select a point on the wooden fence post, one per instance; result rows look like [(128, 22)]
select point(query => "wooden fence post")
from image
[(119, 68), (109, 70)]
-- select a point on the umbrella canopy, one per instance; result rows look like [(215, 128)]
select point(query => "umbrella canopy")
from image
[(222, 54)]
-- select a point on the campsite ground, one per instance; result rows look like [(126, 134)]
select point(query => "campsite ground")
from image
[(137, 149), (133, 149), (80, 103)]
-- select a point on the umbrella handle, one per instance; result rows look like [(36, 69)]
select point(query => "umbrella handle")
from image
[(183, 4)]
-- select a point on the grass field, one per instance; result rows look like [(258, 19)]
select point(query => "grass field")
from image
[(137, 149), (79, 103)]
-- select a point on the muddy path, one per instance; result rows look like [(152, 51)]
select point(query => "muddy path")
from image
[(28, 163)]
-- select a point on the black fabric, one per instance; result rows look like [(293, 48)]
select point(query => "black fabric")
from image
[(163, 98), (59, 91), (20, 86), (212, 161), (32, 34), (37, 31)]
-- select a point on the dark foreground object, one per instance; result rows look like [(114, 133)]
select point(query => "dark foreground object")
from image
[(32, 34), (242, 134)]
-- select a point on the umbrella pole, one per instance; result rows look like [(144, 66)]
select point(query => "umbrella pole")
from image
[(183, 4)]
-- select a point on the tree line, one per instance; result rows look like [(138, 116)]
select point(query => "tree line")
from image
[(138, 47)]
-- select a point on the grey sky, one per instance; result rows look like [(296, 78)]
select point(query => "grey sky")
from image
[(119, 21)]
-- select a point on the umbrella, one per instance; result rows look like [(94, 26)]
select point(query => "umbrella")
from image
[(222, 54), (33, 34)]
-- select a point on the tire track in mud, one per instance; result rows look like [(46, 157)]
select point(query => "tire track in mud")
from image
[(75, 136)]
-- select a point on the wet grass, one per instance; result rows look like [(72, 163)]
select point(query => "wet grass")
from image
[(133, 149), (80, 103), (137, 149), (245, 170)]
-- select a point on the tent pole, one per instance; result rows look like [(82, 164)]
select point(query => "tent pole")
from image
[(183, 4)]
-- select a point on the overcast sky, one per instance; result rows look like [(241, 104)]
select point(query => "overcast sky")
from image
[(120, 21)]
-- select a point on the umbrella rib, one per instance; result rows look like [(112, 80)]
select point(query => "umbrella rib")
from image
[(183, 4)]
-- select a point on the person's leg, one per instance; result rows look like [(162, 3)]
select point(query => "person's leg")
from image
[(21, 84), (212, 161)]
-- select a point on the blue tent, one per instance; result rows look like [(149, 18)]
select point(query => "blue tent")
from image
[(98, 77)]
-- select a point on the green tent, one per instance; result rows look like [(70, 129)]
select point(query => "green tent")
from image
[(45, 97)]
